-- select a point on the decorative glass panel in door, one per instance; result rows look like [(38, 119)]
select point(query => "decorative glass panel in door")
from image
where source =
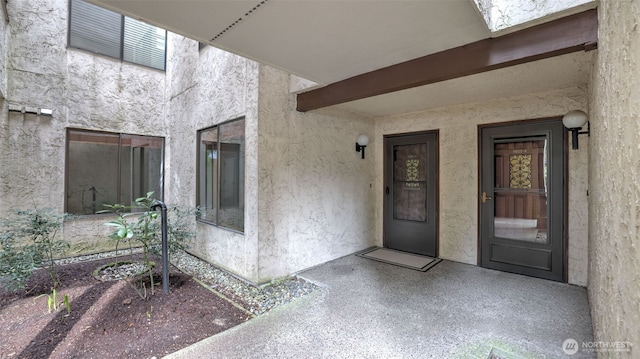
[(520, 190), (410, 182)]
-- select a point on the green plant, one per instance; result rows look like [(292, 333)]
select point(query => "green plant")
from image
[(123, 231), (52, 301), (145, 228), (67, 305), (28, 241)]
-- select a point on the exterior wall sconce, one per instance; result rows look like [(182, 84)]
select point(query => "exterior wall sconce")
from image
[(574, 120), (361, 143)]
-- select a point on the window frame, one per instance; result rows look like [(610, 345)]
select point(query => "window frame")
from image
[(122, 36), (199, 168), (119, 170)]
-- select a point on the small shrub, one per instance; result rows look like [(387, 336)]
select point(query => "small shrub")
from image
[(28, 241), (145, 228)]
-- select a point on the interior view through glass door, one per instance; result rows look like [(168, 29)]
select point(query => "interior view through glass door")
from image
[(521, 190), (522, 199)]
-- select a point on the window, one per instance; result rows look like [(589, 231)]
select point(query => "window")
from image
[(105, 32), (221, 175), (109, 168)]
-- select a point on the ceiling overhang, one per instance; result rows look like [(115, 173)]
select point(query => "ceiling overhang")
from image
[(393, 50), (324, 41), (577, 32)]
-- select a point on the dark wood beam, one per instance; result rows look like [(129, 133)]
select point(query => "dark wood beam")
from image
[(573, 33)]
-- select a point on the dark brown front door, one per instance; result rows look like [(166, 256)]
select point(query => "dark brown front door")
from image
[(522, 199), (410, 205)]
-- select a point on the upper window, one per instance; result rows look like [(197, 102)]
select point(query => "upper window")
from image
[(221, 175), (105, 32), (109, 168)]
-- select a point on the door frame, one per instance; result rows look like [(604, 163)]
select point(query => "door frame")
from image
[(385, 198), (565, 186)]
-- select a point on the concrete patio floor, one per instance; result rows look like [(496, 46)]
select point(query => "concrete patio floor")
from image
[(369, 309)]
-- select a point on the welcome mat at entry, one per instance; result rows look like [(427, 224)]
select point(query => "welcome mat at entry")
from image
[(402, 259)]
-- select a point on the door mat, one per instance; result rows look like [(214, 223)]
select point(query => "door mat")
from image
[(398, 258)]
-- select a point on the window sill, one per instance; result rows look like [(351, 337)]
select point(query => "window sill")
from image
[(210, 224)]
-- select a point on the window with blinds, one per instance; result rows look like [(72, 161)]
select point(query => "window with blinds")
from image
[(108, 33)]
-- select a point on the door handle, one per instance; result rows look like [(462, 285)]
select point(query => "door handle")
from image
[(387, 190), (485, 198)]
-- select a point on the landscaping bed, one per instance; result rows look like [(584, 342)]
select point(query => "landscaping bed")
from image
[(108, 319)]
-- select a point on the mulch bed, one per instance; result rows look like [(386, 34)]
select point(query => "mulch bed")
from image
[(109, 319)]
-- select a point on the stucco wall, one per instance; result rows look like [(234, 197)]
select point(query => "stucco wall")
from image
[(501, 15), (4, 34), (208, 87), (458, 126), (84, 91), (315, 192), (32, 175), (108, 95), (614, 249)]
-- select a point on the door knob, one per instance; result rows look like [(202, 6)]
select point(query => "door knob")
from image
[(485, 198)]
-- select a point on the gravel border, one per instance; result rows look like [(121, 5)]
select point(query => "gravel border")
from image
[(96, 256), (254, 299)]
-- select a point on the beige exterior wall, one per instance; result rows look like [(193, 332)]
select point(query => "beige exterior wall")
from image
[(84, 91), (614, 208), (208, 87), (4, 34), (458, 132), (507, 15), (307, 192), (315, 192)]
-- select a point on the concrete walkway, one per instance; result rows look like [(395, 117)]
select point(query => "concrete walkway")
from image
[(370, 309)]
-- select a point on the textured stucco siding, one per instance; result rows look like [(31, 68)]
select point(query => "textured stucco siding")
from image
[(4, 34), (307, 192), (614, 235), (505, 15), (458, 175), (209, 87), (315, 192), (35, 69), (108, 95), (85, 91)]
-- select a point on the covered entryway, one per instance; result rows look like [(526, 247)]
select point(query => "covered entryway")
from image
[(522, 199)]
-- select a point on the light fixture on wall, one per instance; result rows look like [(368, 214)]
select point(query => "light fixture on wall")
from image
[(361, 143), (574, 120)]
